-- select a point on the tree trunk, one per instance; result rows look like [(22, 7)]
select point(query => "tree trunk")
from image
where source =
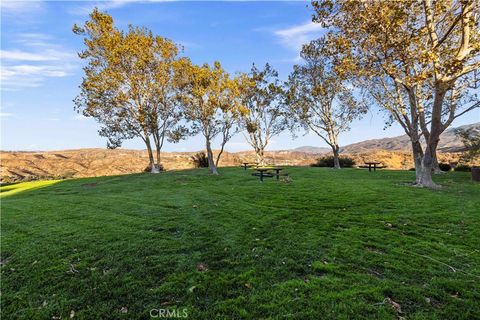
[(217, 161), (158, 148), (436, 128), (260, 156), (417, 153), (211, 162), (336, 160), (158, 165), (436, 167), (425, 176), (153, 167)]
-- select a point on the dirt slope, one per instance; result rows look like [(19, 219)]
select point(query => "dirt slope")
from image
[(18, 166)]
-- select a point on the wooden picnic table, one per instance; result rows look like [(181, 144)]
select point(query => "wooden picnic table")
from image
[(372, 165), (246, 165), (264, 172)]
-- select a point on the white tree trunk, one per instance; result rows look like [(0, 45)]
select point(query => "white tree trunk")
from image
[(153, 167), (436, 128), (211, 162), (260, 156)]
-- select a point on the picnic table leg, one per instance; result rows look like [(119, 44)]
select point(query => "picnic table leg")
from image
[(278, 174), (245, 167), (374, 167), (369, 168), (261, 176)]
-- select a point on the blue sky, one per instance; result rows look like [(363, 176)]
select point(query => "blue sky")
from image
[(41, 71)]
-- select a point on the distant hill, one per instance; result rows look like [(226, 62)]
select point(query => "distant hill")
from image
[(310, 149), (19, 165), (449, 142)]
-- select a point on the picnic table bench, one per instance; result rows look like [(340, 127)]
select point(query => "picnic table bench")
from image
[(374, 165), (246, 165), (267, 172)]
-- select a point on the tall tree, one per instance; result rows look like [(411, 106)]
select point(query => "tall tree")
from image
[(319, 99), (129, 85), (261, 95), (210, 100), (426, 50)]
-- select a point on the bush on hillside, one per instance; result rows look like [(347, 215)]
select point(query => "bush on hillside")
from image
[(345, 162), (463, 168), (200, 160), (445, 167)]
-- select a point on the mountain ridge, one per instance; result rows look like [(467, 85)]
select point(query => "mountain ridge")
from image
[(449, 142)]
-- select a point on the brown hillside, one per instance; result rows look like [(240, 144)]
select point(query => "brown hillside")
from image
[(18, 166)]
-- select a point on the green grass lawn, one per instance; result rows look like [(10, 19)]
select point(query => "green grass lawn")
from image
[(345, 244)]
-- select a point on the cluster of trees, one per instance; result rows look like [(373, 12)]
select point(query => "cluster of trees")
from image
[(137, 84), (415, 59)]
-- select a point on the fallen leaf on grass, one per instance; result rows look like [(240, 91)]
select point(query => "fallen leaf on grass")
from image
[(396, 306), (202, 267), (192, 288), (72, 269), (124, 310)]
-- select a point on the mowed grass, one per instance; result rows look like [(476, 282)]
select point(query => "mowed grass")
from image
[(344, 244)]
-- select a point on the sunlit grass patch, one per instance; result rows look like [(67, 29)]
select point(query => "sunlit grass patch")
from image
[(11, 189)]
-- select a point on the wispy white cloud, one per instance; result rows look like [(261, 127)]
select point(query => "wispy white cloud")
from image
[(33, 70), (5, 114), (45, 55), (296, 36), (15, 7), (17, 77), (21, 13), (33, 39), (88, 6), (31, 63)]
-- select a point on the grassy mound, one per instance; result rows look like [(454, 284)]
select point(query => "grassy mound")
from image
[(329, 244)]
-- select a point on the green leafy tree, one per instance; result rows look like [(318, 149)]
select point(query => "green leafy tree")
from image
[(261, 95), (210, 100), (319, 100), (129, 86)]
